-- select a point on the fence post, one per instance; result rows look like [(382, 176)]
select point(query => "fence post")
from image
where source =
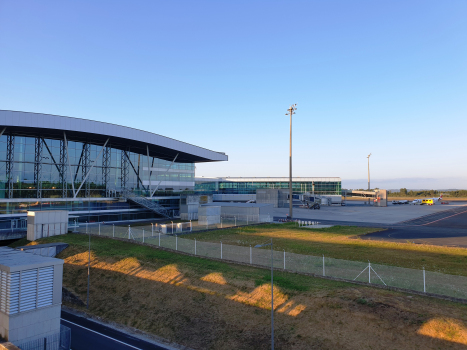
[(284, 259), (369, 272), (129, 231), (143, 235), (250, 256), (45, 343), (113, 230), (221, 222), (99, 228), (424, 285), (221, 249), (195, 246), (86, 227), (235, 220), (159, 238), (324, 271), (176, 242), (152, 229), (190, 226)]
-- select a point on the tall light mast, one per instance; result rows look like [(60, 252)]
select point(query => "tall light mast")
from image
[(291, 111)]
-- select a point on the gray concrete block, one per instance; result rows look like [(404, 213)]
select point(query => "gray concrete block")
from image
[(16, 322), (55, 325), (13, 335)]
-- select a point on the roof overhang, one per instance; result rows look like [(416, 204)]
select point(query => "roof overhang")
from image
[(120, 137)]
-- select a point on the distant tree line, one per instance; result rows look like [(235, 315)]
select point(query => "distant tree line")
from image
[(427, 193)]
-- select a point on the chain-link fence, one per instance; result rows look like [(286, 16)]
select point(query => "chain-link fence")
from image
[(58, 341), (417, 280), (173, 228)]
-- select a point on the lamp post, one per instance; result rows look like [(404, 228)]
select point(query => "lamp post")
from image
[(291, 111), (89, 270), (369, 175), (272, 291)]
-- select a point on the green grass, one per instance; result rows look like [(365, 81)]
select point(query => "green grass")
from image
[(109, 248), (343, 242), (135, 293)]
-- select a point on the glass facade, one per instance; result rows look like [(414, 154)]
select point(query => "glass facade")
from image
[(39, 168), (331, 187)]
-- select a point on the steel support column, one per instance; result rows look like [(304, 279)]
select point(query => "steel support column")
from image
[(69, 165), (149, 170), (106, 169), (62, 169), (38, 166), (85, 178), (10, 155), (136, 172), (124, 170), (85, 169), (173, 161)]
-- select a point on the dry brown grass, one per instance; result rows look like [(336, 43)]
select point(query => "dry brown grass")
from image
[(210, 305), (445, 328)]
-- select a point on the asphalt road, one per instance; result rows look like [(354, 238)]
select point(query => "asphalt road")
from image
[(446, 228), (89, 335)]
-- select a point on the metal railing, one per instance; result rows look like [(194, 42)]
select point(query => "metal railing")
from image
[(58, 341), (146, 203), (418, 280), (112, 230)]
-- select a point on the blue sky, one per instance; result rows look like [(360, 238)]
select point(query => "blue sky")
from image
[(386, 77)]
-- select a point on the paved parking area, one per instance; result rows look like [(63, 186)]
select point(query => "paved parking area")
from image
[(444, 225), (360, 213)]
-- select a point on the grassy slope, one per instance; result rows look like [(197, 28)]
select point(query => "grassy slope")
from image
[(342, 242), (212, 305)]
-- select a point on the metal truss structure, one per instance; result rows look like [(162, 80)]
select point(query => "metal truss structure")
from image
[(10, 163), (62, 168), (106, 169), (67, 174), (38, 165), (85, 169), (125, 170)]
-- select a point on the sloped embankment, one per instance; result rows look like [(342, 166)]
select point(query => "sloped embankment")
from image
[(207, 304)]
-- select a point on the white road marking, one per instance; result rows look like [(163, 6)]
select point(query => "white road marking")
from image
[(447, 217), (131, 346)]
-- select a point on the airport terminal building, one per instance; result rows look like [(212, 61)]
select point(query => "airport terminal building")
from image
[(97, 171), (249, 185)]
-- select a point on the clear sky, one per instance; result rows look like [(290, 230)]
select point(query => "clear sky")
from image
[(386, 77)]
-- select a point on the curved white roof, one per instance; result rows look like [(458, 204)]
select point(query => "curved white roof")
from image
[(121, 137)]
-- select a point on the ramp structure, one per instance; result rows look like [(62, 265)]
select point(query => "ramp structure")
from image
[(146, 203)]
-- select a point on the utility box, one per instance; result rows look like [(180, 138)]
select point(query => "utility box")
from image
[(381, 199), (209, 215), (212, 213), (189, 205), (47, 223), (277, 197), (31, 295)]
